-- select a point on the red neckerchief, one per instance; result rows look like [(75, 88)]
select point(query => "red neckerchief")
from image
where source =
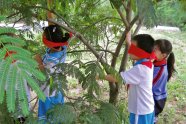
[(142, 54), (8, 53), (159, 63)]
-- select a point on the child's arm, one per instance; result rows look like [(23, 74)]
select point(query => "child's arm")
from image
[(109, 78), (39, 60)]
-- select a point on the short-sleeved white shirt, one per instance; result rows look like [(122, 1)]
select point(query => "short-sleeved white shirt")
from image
[(140, 100)]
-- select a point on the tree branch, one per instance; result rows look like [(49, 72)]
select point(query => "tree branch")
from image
[(75, 51), (123, 18), (81, 38), (52, 11), (124, 5), (12, 15), (138, 27)]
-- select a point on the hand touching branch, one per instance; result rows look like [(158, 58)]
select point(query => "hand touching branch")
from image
[(128, 38)]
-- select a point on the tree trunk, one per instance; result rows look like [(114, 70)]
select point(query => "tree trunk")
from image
[(114, 88)]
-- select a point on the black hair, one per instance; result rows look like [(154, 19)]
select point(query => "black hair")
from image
[(165, 46), (144, 41), (54, 33)]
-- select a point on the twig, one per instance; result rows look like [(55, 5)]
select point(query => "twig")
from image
[(123, 18), (35, 105)]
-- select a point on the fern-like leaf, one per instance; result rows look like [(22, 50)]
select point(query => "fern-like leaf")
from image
[(18, 50), (25, 60), (39, 75), (2, 53), (64, 114), (32, 83), (7, 30), (23, 102), (11, 81), (109, 114), (71, 70), (13, 40), (4, 67)]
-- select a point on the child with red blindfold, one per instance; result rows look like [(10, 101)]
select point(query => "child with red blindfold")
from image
[(139, 78), (56, 53), (163, 70)]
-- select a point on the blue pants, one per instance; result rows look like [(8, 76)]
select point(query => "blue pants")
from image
[(48, 104), (142, 119)]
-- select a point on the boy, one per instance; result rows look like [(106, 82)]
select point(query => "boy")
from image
[(139, 78), (55, 53)]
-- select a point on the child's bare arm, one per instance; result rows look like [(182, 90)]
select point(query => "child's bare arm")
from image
[(39, 60), (109, 78)]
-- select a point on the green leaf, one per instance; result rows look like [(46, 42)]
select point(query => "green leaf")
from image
[(64, 114), (25, 60), (90, 118), (4, 67), (32, 83), (117, 3), (7, 30), (18, 50), (2, 53), (11, 81), (36, 73), (23, 101), (108, 114), (133, 4), (13, 40)]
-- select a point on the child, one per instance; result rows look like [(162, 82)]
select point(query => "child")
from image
[(163, 69), (55, 53), (140, 100)]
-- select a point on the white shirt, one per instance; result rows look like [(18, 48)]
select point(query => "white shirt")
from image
[(140, 100)]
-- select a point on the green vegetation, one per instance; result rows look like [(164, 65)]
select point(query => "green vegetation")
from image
[(98, 48)]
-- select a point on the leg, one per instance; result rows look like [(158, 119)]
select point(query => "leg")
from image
[(159, 106)]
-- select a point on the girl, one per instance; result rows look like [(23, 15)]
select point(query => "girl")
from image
[(163, 70), (56, 53)]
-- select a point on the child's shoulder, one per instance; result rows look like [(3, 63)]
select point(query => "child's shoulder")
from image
[(142, 69)]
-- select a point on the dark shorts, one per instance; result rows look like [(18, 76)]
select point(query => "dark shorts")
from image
[(159, 106)]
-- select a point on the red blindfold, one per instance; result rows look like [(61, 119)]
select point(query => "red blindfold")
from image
[(141, 53), (51, 44)]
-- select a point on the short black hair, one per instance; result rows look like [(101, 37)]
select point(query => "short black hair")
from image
[(145, 42), (53, 33)]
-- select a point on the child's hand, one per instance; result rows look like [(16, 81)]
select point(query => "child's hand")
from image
[(109, 78), (128, 38)]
